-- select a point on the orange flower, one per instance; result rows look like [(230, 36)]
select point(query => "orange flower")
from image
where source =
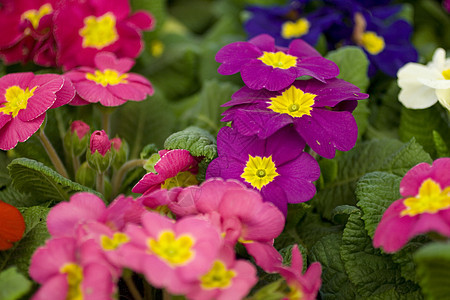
[(12, 225)]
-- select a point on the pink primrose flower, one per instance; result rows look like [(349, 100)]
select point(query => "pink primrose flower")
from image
[(65, 217), (116, 143), (80, 128), (228, 279), (67, 269), (264, 65), (24, 101), (99, 142), (82, 29), (171, 254), (29, 31), (302, 286), (175, 168), (425, 206), (109, 82)]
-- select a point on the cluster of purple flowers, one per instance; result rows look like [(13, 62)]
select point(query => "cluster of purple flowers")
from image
[(276, 115), (372, 25)]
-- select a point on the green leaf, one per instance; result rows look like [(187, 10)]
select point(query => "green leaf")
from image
[(35, 235), (433, 268), (353, 64), (420, 124), (361, 114), (335, 282), (43, 183), (13, 284), (207, 111), (375, 192), (387, 155), (197, 141), (372, 272), (195, 14), (272, 291), (4, 175), (440, 145), (142, 123), (12, 196)]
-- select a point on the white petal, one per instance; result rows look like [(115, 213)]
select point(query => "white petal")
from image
[(412, 72), (444, 98), (438, 61), (435, 84), (417, 96)]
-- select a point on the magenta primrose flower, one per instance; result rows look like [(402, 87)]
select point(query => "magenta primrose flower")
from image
[(175, 168), (84, 28), (425, 206), (277, 166), (320, 112), (264, 65), (171, 254), (24, 101), (301, 286), (228, 278), (80, 128), (109, 83), (68, 269)]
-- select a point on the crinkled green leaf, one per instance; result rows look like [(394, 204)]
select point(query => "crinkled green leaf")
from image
[(353, 64), (433, 268), (420, 124), (335, 282), (387, 155), (4, 175), (13, 284), (440, 145), (207, 111), (35, 235), (12, 196), (43, 184), (375, 192), (142, 123), (197, 141), (372, 272), (404, 257), (341, 213)]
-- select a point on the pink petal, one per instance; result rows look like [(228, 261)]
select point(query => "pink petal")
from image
[(18, 131), (143, 20), (108, 60), (93, 93), (56, 288), (65, 94), (20, 79), (130, 91), (265, 255)]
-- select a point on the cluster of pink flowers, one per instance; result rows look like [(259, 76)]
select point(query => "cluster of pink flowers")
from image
[(70, 33), (192, 255)]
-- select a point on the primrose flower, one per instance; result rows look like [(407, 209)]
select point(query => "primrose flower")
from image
[(109, 82), (29, 24), (98, 26), (24, 101), (277, 166), (264, 65), (65, 217), (289, 22), (422, 86), (425, 206), (301, 286), (12, 225), (228, 279), (68, 269), (171, 254), (320, 112), (174, 168)]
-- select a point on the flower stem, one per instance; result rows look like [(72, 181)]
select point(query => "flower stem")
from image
[(56, 161), (120, 174), (75, 163), (131, 286), (100, 184)]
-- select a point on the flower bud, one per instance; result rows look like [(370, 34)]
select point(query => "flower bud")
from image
[(77, 138), (121, 150), (100, 155), (85, 175)]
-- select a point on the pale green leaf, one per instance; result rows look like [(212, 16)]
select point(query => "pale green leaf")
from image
[(13, 284), (197, 141)]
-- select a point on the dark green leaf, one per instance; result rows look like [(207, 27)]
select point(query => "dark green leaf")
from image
[(440, 145), (4, 175)]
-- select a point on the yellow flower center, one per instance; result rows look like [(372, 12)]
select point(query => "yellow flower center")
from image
[(295, 292), (372, 42), (293, 102), (278, 60), (115, 242), (106, 77), (74, 278), (218, 277), (16, 100), (430, 199), (99, 32), (446, 74), (175, 251), (259, 171), (35, 16), (296, 29), (182, 179)]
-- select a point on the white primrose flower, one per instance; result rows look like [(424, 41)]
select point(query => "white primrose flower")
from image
[(422, 86)]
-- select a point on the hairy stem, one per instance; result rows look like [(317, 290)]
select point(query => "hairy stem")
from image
[(54, 157), (120, 174)]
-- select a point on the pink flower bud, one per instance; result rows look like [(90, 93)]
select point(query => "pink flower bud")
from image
[(116, 142), (100, 142), (80, 128)]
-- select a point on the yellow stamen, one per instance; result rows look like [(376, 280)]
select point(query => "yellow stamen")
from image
[(278, 60), (35, 16), (107, 77), (259, 171), (176, 251), (293, 102), (115, 242), (219, 277), (446, 74), (296, 29), (99, 32), (372, 42), (16, 100), (74, 278)]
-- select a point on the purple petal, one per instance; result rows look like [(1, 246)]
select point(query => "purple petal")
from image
[(284, 146), (264, 42), (317, 67), (302, 49), (235, 55)]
